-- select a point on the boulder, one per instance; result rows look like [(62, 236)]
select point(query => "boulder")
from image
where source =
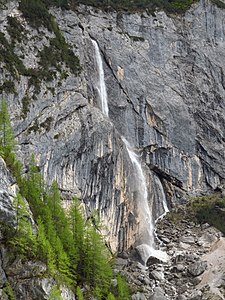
[(159, 294), (197, 268), (138, 296)]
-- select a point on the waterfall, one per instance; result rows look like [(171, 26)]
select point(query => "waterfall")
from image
[(162, 197), (146, 227), (102, 87), (146, 230), (146, 234)]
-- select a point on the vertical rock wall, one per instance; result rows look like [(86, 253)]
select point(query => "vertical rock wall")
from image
[(165, 84)]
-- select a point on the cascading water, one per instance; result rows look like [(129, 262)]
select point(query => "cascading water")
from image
[(146, 234), (102, 87), (162, 197), (146, 228)]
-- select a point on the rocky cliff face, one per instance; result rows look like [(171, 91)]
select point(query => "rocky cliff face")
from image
[(19, 280), (164, 77)]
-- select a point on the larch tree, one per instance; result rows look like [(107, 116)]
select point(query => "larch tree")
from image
[(7, 140)]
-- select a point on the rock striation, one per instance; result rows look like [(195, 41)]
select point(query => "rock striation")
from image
[(164, 77)]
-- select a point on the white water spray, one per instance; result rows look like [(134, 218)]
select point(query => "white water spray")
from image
[(146, 227), (146, 224), (102, 87), (162, 198)]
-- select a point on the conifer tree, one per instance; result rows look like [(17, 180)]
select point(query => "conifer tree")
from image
[(111, 297), (79, 294), (123, 289), (59, 217), (7, 139), (98, 269), (34, 189), (77, 227), (45, 251), (24, 240)]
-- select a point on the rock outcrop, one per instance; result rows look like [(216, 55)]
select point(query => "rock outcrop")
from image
[(165, 83), (19, 279), (195, 268)]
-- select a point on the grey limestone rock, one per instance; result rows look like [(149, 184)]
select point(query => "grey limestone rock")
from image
[(138, 296), (197, 268), (164, 78), (159, 294)]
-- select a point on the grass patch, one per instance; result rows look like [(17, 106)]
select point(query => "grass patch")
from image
[(209, 209)]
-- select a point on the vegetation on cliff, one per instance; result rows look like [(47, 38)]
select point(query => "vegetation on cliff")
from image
[(71, 246), (209, 209), (206, 209), (170, 6), (58, 57)]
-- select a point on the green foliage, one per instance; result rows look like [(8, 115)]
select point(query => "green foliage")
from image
[(123, 289), (97, 268), (111, 297), (55, 294), (51, 58), (15, 29), (25, 106), (7, 141), (36, 13), (8, 291), (80, 295), (72, 248), (24, 240), (8, 87), (210, 209), (12, 63), (3, 4), (170, 6), (58, 53)]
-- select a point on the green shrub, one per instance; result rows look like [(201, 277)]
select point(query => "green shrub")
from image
[(170, 6), (8, 291), (209, 209), (15, 29), (25, 106), (8, 86)]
